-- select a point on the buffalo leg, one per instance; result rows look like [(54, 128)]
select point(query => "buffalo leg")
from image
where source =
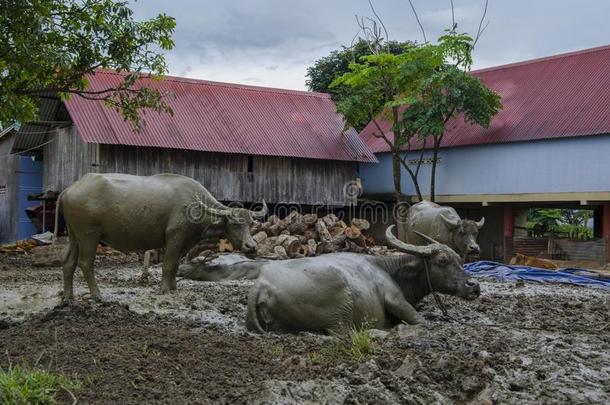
[(69, 266), (169, 269), (86, 257), (396, 305)]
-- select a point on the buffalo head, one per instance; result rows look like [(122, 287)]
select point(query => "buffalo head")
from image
[(464, 233), (445, 267), (236, 223)]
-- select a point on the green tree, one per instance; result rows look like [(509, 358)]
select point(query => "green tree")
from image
[(374, 87), (321, 74), (417, 92), (450, 91), (50, 46)]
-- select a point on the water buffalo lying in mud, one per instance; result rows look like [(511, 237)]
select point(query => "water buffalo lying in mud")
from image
[(136, 213), (336, 292), (444, 225)]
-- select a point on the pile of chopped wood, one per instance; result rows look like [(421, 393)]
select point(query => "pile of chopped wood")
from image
[(20, 247), (300, 235)]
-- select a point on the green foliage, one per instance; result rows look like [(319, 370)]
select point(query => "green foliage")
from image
[(418, 92), (322, 73), (572, 223), (49, 46), (21, 385)]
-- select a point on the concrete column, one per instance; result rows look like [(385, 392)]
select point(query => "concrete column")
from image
[(606, 228), (509, 222), (509, 226)]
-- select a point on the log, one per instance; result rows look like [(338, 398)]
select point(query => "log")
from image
[(361, 224), (260, 236), (330, 220), (225, 246), (275, 229), (256, 227), (322, 231), (353, 247), (336, 231), (310, 234), (311, 247), (297, 228), (280, 252), (309, 219), (352, 232), (332, 246), (291, 245)]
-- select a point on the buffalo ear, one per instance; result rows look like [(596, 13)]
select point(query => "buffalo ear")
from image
[(480, 223), (454, 223)]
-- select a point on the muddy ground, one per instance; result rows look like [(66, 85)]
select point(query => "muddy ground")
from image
[(551, 344)]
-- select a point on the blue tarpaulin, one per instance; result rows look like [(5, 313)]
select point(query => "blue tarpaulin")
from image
[(513, 273)]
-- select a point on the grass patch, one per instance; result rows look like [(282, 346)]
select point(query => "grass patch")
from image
[(355, 348), (276, 351), (20, 385), (361, 346)]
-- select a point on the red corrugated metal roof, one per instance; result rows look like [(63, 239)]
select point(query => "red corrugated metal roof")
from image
[(228, 118), (560, 96)]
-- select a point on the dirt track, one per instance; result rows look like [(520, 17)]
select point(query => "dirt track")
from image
[(191, 346)]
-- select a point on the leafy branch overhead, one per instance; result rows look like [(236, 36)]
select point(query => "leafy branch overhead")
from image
[(48, 47)]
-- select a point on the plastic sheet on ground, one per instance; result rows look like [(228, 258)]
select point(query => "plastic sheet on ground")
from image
[(513, 273)]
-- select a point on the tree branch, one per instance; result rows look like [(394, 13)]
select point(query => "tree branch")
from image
[(387, 36), (481, 28), (418, 22)]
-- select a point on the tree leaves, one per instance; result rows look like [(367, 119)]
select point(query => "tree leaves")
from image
[(49, 46)]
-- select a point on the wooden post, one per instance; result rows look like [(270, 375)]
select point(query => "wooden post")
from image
[(509, 229)]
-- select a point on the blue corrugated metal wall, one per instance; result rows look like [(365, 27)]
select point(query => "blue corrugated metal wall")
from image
[(30, 182), (553, 166)]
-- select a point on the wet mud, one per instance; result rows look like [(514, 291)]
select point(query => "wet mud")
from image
[(548, 344)]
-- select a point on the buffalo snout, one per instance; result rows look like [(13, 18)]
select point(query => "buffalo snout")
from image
[(248, 246), (473, 290)]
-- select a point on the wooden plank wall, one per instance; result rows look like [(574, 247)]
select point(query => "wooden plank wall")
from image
[(66, 159), (276, 179), (9, 191)]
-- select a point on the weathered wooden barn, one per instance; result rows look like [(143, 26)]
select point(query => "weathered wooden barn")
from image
[(243, 143), (549, 147)]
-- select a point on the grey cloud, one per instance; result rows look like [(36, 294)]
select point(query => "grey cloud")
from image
[(292, 34)]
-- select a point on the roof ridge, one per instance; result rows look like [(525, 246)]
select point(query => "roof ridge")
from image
[(544, 59), (248, 87)]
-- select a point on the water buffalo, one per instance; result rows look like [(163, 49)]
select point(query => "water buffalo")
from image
[(444, 225), (336, 292), (137, 213)]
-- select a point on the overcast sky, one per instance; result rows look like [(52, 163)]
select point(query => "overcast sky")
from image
[(272, 42)]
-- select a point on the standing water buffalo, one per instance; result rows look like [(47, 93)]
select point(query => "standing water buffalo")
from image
[(135, 213), (336, 292), (444, 225)]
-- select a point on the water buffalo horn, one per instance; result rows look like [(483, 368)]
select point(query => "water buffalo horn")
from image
[(262, 212), (219, 212), (406, 247), (481, 223), (426, 237), (451, 222)]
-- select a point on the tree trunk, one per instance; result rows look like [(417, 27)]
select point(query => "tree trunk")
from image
[(396, 173), (437, 144)]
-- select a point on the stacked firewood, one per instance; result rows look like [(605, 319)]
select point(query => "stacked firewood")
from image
[(300, 235)]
